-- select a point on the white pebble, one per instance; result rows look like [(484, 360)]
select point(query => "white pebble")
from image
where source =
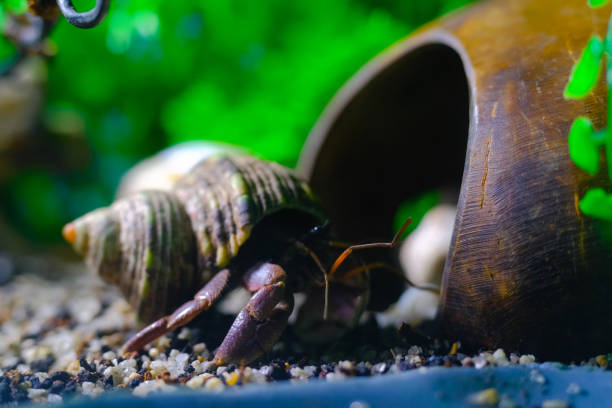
[(527, 359), (36, 393), (214, 384), (91, 389), (359, 404), (109, 355), (197, 367), (479, 362), (537, 377), (500, 357), (35, 353), (154, 352), (185, 334), (40, 375), (573, 389), (199, 348), (146, 387), (197, 381), (114, 372), (182, 358), (157, 367), (298, 373), (162, 342), (335, 376), (253, 376), (54, 399), (173, 353)]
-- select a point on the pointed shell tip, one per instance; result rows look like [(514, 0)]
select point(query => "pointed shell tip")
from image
[(69, 233)]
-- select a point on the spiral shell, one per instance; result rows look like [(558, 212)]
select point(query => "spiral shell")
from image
[(160, 247)]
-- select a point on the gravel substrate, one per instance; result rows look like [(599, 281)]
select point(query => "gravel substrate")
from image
[(60, 336)]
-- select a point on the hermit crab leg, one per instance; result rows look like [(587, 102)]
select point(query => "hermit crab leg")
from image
[(261, 322), (183, 315)]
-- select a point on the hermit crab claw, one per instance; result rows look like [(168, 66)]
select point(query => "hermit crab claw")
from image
[(256, 328), (86, 19)]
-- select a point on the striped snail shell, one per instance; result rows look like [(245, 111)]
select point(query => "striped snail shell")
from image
[(160, 247)]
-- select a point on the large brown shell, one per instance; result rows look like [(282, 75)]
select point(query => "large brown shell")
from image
[(160, 247), (474, 103)]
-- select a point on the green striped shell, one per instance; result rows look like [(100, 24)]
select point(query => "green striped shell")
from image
[(160, 247)]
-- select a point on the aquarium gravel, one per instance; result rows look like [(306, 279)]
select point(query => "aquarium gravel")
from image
[(61, 331)]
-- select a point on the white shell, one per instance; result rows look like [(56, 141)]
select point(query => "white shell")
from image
[(160, 171), (422, 257)]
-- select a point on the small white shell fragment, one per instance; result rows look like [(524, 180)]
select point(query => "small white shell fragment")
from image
[(160, 171), (422, 256)]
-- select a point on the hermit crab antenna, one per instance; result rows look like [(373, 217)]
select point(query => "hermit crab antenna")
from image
[(352, 248)]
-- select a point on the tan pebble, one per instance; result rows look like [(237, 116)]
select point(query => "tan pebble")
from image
[(602, 360), (153, 352), (73, 368), (232, 378), (555, 403), (132, 376), (162, 343), (490, 396), (115, 339), (199, 348), (527, 359)]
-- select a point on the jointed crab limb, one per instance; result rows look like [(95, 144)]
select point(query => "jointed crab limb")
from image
[(183, 315), (261, 322)]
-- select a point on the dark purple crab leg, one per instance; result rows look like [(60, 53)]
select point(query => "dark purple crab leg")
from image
[(261, 322), (183, 315)]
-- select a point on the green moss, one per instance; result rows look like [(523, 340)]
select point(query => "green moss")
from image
[(415, 208)]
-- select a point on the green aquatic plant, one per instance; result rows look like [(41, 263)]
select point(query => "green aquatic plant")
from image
[(584, 142)]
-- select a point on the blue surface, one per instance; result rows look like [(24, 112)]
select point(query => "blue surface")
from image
[(448, 387)]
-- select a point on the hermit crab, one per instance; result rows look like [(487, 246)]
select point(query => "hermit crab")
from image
[(232, 220)]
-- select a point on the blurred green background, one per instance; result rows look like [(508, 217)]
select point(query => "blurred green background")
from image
[(156, 73)]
